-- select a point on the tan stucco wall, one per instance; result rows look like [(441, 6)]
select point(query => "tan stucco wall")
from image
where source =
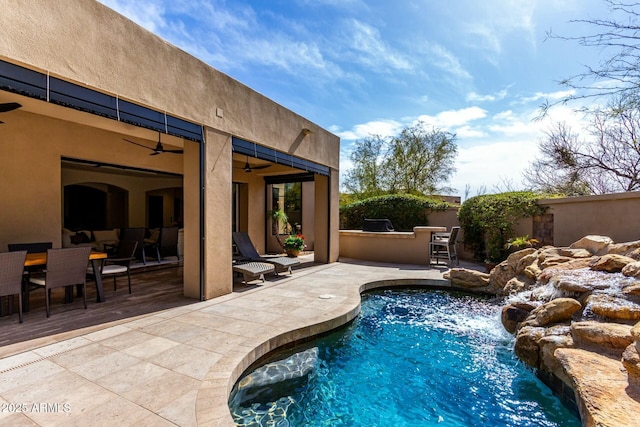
[(31, 174), (394, 247), (613, 215)]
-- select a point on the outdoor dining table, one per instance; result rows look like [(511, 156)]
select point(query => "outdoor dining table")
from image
[(40, 258)]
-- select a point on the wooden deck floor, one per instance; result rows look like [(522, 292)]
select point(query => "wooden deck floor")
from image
[(152, 290)]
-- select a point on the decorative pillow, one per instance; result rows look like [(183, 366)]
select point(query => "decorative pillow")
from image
[(80, 237), (105, 235)]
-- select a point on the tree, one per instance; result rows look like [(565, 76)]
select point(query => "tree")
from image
[(619, 73), (363, 180), (604, 161), (417, 161)]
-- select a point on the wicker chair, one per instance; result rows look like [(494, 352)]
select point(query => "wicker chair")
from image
[(65, 267), (11, 270)]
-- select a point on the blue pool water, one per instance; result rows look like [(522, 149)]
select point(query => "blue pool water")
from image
[(411, 358)]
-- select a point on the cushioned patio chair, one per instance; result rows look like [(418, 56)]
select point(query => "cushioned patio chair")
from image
[(249, 253), (65, 267), (444, 246), (11, 269), (119, 263)]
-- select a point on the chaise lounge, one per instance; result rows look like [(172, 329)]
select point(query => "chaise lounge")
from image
[(249, 253)]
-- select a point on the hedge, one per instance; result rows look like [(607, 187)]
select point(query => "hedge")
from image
[(405, 211), (488, 221)]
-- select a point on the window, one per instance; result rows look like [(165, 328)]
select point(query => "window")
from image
[(288, 197)]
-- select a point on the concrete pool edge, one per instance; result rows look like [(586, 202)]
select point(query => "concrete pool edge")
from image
[(212, 398)]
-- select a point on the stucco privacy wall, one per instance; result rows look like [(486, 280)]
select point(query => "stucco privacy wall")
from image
[(613, 215), (86, 42)]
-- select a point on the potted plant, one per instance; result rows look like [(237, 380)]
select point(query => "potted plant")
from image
[(294, 244), (279, 220)]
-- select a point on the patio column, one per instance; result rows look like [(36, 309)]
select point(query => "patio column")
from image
[(327, 199), (218, 276)]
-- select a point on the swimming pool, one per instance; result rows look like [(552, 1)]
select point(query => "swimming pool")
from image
[(411, 358)]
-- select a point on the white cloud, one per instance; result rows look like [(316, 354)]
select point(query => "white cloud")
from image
[(553, 96), (379, 127), (448, 62), (498, 96), (374, 51), (450, 119)]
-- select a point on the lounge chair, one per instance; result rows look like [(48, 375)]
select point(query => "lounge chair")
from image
[(249, 253), (253, 270)]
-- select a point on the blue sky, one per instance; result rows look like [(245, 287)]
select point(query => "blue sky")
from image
[(479, 69)]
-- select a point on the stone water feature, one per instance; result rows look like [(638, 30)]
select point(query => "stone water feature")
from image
[(575, 313)]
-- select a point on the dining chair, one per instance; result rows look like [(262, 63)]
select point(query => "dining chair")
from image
[(444, 246), (119, 263), (167, 243), (136, 234), (11, 271), (65, 267)]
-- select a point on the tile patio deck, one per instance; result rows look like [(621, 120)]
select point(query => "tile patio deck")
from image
[(177, 366)]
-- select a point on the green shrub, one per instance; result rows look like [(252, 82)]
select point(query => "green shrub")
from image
[(488, 221), (405, 211)]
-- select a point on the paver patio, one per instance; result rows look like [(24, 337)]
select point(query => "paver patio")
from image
[(177, 366)]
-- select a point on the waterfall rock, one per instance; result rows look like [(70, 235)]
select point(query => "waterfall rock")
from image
[(632, 269), (631, 362), (613, 307), (525, 262), (513, 314), (574, 253), (610, 263), (625, 248), (598, 354), (635, 333), (594, 244), (632, 289), (609, 336), (554, 311), (517, 284), (603, 394), (526, 346), (467, 279)]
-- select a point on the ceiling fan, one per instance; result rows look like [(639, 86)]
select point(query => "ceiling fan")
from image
[(248, 168), (8, 106), (159, 148)]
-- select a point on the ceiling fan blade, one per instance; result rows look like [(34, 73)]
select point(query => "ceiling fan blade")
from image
[(260, 167), (138, 144), (173, 151), (9, 106)]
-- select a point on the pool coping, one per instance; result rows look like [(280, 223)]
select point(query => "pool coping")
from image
[(212, 400)]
